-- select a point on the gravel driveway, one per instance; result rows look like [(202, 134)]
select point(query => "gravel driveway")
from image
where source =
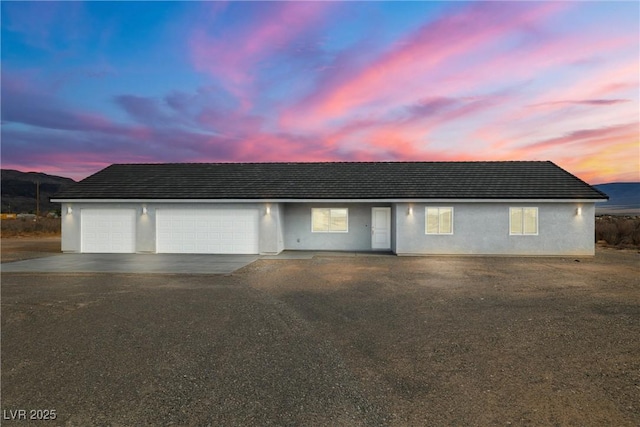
[(370, 341)]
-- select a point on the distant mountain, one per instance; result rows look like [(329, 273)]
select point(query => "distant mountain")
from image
[(19, 191), (624, 198)]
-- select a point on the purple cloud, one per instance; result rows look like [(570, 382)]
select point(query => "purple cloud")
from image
[(585, 102)]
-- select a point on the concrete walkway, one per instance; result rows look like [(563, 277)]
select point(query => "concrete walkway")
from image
[(293, 254), (131, 263)]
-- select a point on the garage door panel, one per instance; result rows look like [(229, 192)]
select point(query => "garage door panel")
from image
[(216, 231), (108, 230)]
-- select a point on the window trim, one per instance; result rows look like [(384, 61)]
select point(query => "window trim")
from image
[(426, 220), (522, 208), (329, 230)]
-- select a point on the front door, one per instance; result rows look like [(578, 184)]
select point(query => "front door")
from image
[(381, 228)]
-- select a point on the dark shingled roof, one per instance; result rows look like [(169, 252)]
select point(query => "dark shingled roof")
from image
[(336, 180)]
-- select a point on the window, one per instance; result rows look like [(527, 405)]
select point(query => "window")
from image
[(329, 220), (523, 221), (439, 221)]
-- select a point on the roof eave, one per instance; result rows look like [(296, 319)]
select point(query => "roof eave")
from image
[(330, 200)]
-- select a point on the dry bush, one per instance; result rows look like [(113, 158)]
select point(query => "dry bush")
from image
[(606, 231), (30, 227), (618, 231)]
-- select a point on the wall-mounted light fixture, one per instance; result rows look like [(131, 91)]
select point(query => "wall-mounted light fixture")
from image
[(267, 211), (579, 211), (69, 210), (144, 209), (410, 210)]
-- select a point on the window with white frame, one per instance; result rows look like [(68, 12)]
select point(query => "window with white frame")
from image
[(329, 220), (523, 221), (438, 220)]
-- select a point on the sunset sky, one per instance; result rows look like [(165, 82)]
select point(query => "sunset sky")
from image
[(85, 85)]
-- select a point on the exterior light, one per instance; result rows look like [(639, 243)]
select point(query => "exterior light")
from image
[(410, 210), (579, 211), (69, 210), (144, 210), (267, 210)]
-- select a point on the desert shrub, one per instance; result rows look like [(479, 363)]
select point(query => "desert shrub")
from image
[(618, 231), (30, 227), (606, 231), (625, 231), (635, 236)]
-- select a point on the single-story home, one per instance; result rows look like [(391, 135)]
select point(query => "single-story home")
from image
[(408, 208)]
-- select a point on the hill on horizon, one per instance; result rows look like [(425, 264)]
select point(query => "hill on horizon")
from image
[(624, 198), (19, 191)]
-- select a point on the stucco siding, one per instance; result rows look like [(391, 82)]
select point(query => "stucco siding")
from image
[(483, 228), (478, 228), (270, 226), (271, 229), (298, 234), (394, 233), (70, 227)]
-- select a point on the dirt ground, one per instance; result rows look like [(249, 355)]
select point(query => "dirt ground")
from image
[(367, 340), (19, 248)]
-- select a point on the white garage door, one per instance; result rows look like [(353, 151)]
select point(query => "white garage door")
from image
[(207, 231), (108, 230)]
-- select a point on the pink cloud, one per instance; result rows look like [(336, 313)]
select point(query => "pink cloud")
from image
[(413, 66), (280, 147), (486, 81), (593, 137), (607, 164), (584, 102), (516, 118), (232, 124), (594, 154), (592, 97), (372, 92), (593, 84), (409, 134), (76, 167), (537, 61)]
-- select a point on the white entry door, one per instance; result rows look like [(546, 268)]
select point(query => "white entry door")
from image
[(381, 228), (108, 230), (207, 231)]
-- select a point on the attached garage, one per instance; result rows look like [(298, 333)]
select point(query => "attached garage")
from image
[(207, 231), (265, 208), (108, 230)]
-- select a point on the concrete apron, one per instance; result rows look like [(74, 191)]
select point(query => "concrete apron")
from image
[(131, 263)]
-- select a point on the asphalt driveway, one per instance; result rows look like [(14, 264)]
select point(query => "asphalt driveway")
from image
[(131, 263)]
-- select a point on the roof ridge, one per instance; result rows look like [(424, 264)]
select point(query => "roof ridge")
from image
[(332, 162)]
